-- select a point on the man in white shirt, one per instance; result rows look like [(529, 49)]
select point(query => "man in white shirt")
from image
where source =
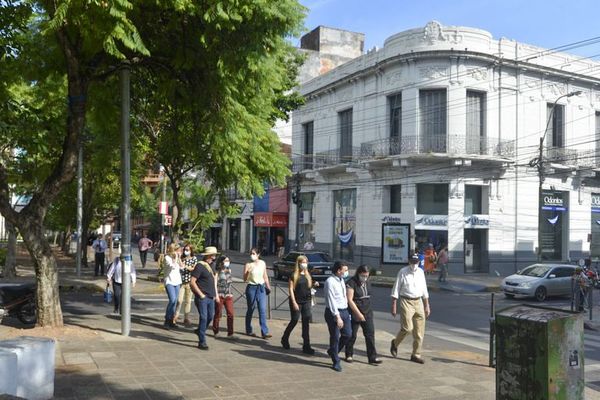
[(99, 245), (336, 313), (411, 289)]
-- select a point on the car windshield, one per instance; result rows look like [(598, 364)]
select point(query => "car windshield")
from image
[(318, 257), (535, 270)]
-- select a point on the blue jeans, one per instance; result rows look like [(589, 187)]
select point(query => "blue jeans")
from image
[(206, 310), (256, 294), (338, 338), (172, 293)]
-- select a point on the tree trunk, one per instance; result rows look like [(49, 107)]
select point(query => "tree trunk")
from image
[(177, 222), (46, 273), (66, 242), (10, 267)]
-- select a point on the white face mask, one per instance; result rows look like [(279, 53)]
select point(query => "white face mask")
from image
[(363, 278), (345, 274), (304, 265), (226, 264), (186, 252), (254, 257)]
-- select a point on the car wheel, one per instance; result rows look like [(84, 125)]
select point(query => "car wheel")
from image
[(509, 296), (540, 293)]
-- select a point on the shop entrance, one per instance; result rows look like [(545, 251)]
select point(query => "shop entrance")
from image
[(437, 238), (476, 250)]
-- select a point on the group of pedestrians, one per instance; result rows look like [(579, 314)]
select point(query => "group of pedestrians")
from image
[(347, 300)]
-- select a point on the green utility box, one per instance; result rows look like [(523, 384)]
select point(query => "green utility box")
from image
[(539, 354)]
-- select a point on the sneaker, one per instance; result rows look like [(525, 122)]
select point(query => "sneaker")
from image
[(215, 332), (394, 348), (308, 350), (375, 361), (231, 337), (417, 360), (285, 343), (202, 346), (349, 359), (337, 367), (267, 336), (251, 334)]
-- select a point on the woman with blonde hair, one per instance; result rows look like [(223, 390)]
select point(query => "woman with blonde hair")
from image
[(171, 267), (300, 285)]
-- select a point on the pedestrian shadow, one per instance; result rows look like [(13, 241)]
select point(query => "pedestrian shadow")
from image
[(451, 361), (278, 356)]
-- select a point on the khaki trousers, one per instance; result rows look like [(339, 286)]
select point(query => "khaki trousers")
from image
[(185, 300), (412, 316)]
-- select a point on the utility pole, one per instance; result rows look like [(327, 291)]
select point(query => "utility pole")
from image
[(298, 202), (79, 206), (126, 258), (540, 167), (163, 218)]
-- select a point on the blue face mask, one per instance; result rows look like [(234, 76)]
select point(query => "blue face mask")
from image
[(345, 274)]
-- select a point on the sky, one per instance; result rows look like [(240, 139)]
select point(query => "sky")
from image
[(547, 24)]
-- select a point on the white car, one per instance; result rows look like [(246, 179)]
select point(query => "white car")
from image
[(540, 281)]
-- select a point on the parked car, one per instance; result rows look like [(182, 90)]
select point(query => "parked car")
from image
[(540, 281), (320, 264)]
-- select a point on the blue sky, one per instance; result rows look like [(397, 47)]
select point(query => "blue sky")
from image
[(548, 24)]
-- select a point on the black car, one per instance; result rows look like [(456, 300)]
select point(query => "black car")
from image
[(320, 264)]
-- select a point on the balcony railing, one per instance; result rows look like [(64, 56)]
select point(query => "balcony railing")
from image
[(452, 144), (561, 155), (325, 159), (588, 158)]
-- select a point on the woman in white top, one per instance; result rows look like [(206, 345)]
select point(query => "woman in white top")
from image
[(171, 268), (257, 290)]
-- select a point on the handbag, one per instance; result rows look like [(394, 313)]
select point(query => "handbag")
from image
[(108, 294)]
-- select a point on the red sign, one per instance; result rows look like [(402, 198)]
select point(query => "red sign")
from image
[(267, 219)]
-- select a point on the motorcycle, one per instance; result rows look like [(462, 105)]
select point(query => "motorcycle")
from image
[(18, 300)]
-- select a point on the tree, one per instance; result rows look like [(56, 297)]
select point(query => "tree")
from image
[(57, 50)]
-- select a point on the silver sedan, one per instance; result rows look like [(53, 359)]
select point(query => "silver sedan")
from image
[(540, 281)]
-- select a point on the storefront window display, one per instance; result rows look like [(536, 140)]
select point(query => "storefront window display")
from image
[(307, 221), (344, 235)]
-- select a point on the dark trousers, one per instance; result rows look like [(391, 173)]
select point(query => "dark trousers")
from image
[(368, 329), (338, 338), (117, 295), (143, 257), (99, 260), (306, 313), (206, 310), (226, 302)]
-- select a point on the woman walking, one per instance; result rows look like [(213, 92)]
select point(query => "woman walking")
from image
[(171, 267), (184, 299), (224, 281), (300, 285), (255, 275), (359, 301)]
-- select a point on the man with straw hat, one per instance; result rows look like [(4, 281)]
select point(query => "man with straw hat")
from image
[(204, 286)]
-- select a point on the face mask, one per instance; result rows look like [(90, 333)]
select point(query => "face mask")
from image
[(345, 274), (226, 264), (254, 257), (186, 252), (363, 278), (303, 265)]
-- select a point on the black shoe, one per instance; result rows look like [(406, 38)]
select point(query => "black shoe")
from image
[(394, 348), (285, 343), (417, 360), (308, 350), (329, 353), (202, 346), (375, 361)]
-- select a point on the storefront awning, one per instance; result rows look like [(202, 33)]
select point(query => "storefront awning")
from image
[(269, 219)]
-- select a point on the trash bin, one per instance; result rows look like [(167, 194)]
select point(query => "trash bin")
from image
[(539, 354)]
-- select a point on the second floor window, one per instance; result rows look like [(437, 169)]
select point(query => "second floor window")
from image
[(308, 129), (395, 102), (475, 122), (556, 128), (345, 121), (432, 199), (395, 198), (432, 116)]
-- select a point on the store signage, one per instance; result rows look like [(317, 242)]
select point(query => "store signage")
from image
[(595, 203), (432, 220), (395, 243), (477, 221), (270, 220), (552, 202), (391, 218)]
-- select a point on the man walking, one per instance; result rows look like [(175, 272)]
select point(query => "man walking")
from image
[(204, 285), (99, 246), (411, 289), (336, 313), (144, 245), (442, 262)]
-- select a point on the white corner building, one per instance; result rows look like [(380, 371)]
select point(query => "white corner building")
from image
[(435, 138)]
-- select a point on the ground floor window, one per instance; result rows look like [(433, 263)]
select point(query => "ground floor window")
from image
[(307, 220), (553, 225), (344, 224)]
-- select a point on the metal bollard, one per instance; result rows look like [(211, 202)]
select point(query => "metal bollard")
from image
[(269, 304)]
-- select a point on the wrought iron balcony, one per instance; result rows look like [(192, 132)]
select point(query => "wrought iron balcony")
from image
[(561, 155), (452, 144), (325, 159)]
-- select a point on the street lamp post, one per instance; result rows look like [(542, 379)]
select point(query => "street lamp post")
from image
[(126, 257), (540, 167)]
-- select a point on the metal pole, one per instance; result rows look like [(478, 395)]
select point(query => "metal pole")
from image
[(298, 210), (79, 208), (492, 353), (126, 259), (162, 216)]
